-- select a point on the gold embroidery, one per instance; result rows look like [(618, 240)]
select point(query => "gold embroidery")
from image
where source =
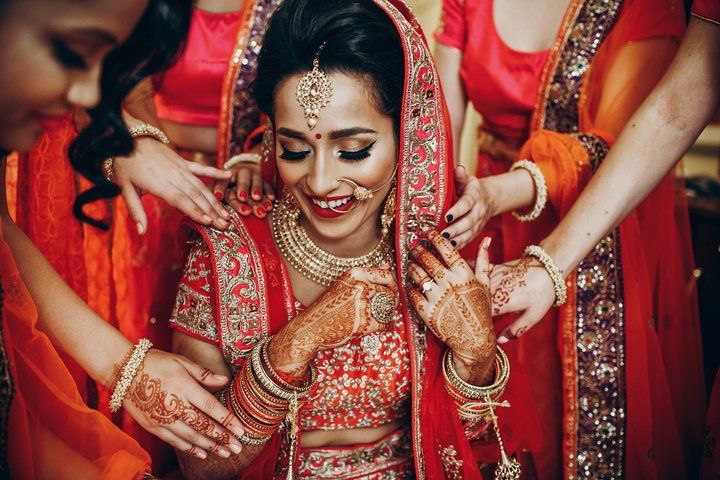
[(451, 464)]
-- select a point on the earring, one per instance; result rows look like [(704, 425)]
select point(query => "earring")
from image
[(388, 215)]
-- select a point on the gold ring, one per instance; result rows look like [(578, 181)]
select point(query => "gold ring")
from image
[(382, 307)]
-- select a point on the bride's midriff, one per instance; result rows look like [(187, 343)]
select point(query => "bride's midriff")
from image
[(348, 437)]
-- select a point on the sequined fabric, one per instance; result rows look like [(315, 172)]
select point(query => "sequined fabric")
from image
[(390, 458)]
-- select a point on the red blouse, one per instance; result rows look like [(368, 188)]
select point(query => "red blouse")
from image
[(190, 91), (707, 10), (364, 383), (501, 83)]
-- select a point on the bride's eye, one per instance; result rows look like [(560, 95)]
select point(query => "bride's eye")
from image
[(356, 155), (292, 155)]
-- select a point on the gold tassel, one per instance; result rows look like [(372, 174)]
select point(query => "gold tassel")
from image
[(292, 419), (508, 468)]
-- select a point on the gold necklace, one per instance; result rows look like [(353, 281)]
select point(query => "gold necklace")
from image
[(310, 260)]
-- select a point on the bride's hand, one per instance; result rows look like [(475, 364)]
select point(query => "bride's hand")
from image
[(343, 312), (454, 302), (167, 399)]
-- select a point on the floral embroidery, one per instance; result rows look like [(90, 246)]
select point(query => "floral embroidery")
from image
[(451, 464), (596, 147)]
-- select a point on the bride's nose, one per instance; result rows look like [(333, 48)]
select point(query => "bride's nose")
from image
[(321, 179)]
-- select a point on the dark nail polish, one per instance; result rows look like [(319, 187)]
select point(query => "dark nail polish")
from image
[(449, 218), (446, 235), (454, 243)]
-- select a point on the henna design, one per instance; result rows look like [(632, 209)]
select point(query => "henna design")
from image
[(166, 408), (517, 334), (205, 374), (429, 263), (511, 281), (340, 314)]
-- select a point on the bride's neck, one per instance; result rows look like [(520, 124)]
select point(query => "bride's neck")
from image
[(358, 243)]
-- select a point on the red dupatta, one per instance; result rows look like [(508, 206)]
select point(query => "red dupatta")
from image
[(251, 294)]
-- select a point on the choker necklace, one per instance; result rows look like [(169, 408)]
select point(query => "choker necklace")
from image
[(310, 260)]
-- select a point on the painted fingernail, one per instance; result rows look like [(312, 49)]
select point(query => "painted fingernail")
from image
[(244, 209), (446, 235), (260, 212), (206, 219), (267, 204), (242, 196), (453, 243), (271, 196), (502, 339), (219, 196), (256, 194), (449, 218), (235, 448)]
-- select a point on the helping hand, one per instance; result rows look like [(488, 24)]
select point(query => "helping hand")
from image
[(156, 169), (167, 399), (251, 195)]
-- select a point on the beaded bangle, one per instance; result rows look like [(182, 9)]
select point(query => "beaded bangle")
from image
[(147, 130), (284, 392), (540, 190), (129, 370), (556, 276), (108, 169), (251, 158)]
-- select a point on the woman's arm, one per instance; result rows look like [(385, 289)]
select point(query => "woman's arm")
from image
[(654, 139), (447, 61), (99, 348)]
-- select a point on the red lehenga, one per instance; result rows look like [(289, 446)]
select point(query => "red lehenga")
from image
[(236, 291), (617, 371)]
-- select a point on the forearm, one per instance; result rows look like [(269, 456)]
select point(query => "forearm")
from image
[(448, 61), (655, 138), (510, 191)]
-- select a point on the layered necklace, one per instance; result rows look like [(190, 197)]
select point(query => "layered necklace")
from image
[(310, 260)]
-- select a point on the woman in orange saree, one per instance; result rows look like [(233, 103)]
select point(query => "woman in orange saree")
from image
[(621, 395)]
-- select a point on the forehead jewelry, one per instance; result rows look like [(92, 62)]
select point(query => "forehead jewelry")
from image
[(314, 91)]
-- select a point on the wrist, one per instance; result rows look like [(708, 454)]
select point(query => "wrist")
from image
[(561, 252), (492, 195), (475, 369), (289, 359)]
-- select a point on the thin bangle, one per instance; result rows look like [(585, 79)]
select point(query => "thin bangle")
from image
[(540, 190), (552, 269), (147, 130)]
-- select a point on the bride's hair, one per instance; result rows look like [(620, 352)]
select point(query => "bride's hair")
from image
[(359, 38)]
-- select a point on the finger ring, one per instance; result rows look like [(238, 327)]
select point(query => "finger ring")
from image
[(382, 307), (427, 286)]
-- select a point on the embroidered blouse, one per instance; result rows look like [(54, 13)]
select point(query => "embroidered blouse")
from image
[(364, 383)]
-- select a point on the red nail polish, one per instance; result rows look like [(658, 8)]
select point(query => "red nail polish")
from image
[(260, 211), (267, 205), (256, 193), (242, 196), (219, 196), (244, 209)]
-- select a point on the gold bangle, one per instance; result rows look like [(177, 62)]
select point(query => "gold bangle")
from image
[(552, 269), (269, 384), (474, 392), (108, 170), (540, 190), (251, 158), (129, 371), (147, 130)]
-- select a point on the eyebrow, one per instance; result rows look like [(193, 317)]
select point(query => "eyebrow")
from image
[(334, 135), (97, 34)]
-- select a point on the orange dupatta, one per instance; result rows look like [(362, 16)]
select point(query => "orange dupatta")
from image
[(625, 407)]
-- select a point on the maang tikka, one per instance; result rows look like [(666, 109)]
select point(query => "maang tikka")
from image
[(314, 91)]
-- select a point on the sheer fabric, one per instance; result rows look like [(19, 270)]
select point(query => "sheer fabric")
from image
[(51, 433)]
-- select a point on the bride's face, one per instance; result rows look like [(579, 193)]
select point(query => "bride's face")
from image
[(51, 57), (352, 139)]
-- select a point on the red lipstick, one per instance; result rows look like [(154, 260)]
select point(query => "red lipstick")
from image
[(327, 212)]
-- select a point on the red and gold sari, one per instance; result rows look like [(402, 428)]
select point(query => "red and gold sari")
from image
[(236, 292), (628, 337)]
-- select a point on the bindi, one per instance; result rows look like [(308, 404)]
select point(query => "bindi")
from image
[(318, 136)]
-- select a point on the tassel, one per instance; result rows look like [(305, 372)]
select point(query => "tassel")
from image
[(508, 468)]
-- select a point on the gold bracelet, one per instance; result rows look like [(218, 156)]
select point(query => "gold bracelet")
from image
[(474, 392), (147, 130), (129, 371), (251, 158), (271, 386), (552, 269), (108, 170), (540, 190)]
